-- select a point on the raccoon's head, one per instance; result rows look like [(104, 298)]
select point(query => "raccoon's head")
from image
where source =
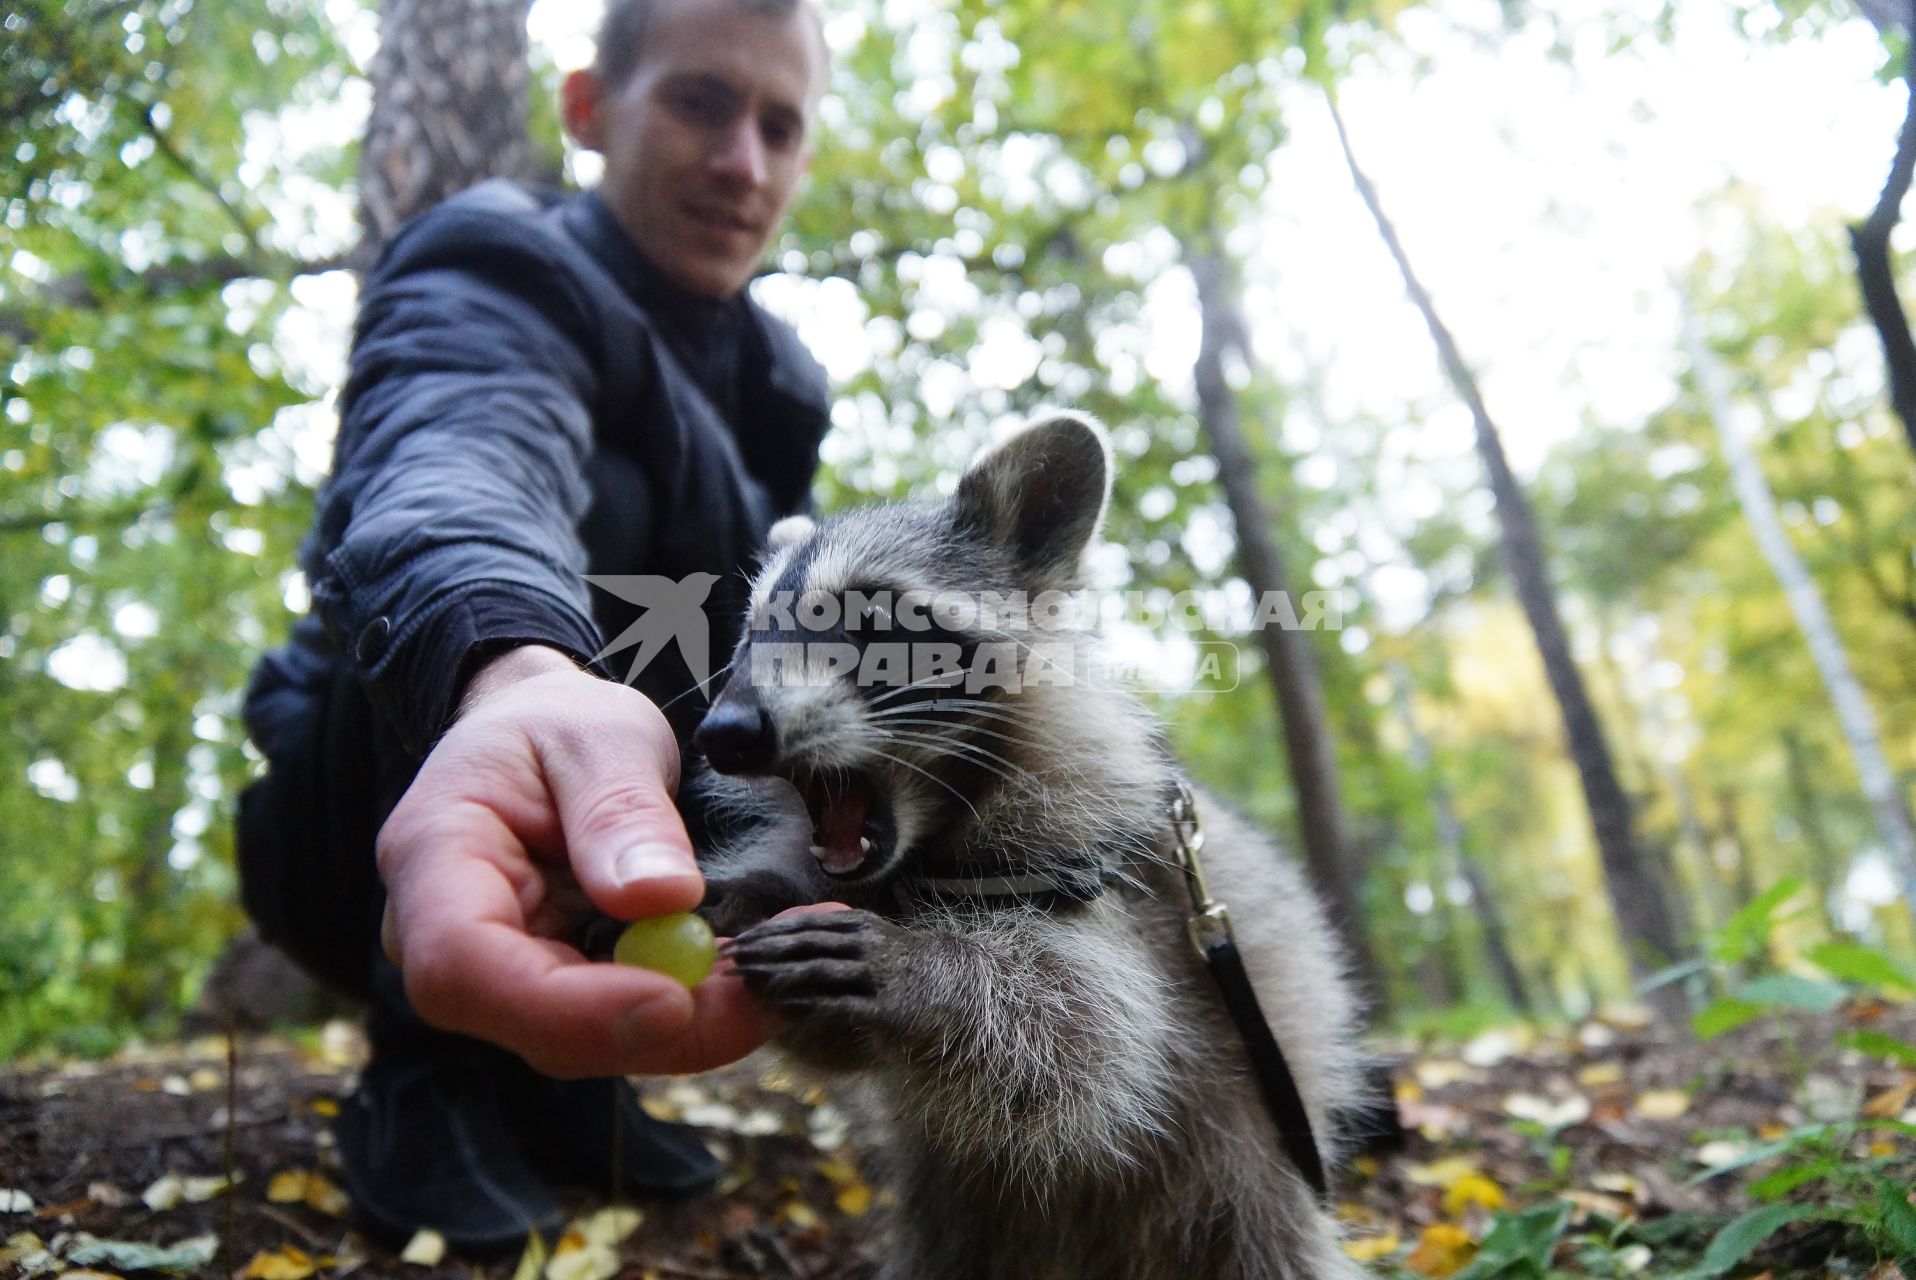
[(888, 666)]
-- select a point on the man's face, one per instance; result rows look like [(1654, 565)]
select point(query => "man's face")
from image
[(706, 139)]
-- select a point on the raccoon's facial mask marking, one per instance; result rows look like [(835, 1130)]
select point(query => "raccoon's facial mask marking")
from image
[(881, 759)]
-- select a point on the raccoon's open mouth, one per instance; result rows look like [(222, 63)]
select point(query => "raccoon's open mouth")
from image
[(852, 822)]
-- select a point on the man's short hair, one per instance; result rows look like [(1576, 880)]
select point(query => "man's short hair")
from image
[(627, 24)]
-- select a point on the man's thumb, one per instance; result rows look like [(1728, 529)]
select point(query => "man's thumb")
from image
[(612, 788)]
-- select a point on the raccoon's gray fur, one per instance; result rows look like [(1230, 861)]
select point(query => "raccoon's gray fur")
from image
[(1014, 994)]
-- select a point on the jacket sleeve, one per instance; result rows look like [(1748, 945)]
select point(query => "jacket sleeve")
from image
[(451, 524)]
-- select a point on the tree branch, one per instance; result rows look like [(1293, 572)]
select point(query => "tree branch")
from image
[(82, 292), (1869, 240), (198, 177)]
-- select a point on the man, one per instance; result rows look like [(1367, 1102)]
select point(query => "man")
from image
[(539, 389)]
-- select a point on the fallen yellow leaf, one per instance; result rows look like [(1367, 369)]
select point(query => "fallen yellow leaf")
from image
[(1890, 1103), (849, 1190), (798, 1214), (1662, 1104), (1442, 1250), (533, 1260), (325, 1197), (284, 1263), (427, 1248), (609, 1227), (325, 1107), (1613, 1207), (1598, 1074), (1440, 1173), (287, 1187), (1882, 1147), (578, 1258), (1371, 1248), (1472, 1189)]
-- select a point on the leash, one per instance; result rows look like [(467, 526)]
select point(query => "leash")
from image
[(1216, 943)]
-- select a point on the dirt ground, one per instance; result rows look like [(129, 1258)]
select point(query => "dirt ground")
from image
[(1617, 1119)]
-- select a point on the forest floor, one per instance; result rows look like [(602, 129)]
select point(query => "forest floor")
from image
[(1583, 1151)]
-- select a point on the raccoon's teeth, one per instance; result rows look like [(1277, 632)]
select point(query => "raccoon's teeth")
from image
[(865, 845)]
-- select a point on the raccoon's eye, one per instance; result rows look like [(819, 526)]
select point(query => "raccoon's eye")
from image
[(867, 611)]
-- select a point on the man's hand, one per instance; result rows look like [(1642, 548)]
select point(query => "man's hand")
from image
[(553, 787)]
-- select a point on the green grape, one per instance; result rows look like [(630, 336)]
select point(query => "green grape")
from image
[(678, 946)]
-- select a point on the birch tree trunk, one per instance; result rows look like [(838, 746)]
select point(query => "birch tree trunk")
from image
[(1638, 896), (1853, 712), (1310, 752), (449, 107)]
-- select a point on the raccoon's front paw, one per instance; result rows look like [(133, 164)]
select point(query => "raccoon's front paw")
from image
[(820, 967)]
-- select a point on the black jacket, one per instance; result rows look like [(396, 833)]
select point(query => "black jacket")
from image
[(529, 401)]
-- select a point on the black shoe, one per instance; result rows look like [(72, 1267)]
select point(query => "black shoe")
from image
[(425, 1141), (571, 1130)]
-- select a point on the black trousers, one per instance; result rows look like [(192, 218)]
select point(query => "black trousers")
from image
[(305, 837)]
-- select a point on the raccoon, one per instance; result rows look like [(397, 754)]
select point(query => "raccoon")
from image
[(1011, 990)]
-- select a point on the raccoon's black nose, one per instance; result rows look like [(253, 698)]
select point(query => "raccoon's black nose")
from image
[(737, 737)]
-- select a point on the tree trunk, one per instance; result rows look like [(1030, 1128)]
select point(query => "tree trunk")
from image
[(142, 995), (1308, 746), (1869, 239), (1450, 837), (449, 107), (1853, 712), (1637, 894), (1827, 867)]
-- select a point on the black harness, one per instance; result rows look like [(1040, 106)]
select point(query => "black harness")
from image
[(1211, 934)]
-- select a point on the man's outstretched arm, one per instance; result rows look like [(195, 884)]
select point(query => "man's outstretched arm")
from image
[(551, 784)]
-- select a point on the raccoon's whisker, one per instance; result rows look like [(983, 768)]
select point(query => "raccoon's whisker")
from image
[(697, 687), (892, 718), (957, 750), (960, 750), (970, 706), (886, 755), (943, 677)]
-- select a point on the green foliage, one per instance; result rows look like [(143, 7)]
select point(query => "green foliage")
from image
[(147, 513), (1740, 1238), (1520, 1245)]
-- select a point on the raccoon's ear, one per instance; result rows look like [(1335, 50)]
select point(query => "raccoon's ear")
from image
[(1040, 496), (788, 531)]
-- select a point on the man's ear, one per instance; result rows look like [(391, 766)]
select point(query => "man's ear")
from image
[(1040, 496), (579, 96)]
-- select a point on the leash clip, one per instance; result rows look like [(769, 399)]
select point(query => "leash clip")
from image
[(1209, 924)]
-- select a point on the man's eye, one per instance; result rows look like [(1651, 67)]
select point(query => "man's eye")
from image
[(702, 105), (778, 135)]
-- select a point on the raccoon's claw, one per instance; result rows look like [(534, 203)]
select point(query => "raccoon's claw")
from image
[(812, 965)]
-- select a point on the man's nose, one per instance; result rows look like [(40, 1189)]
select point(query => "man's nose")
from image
[(737, 736), (742, 157)]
